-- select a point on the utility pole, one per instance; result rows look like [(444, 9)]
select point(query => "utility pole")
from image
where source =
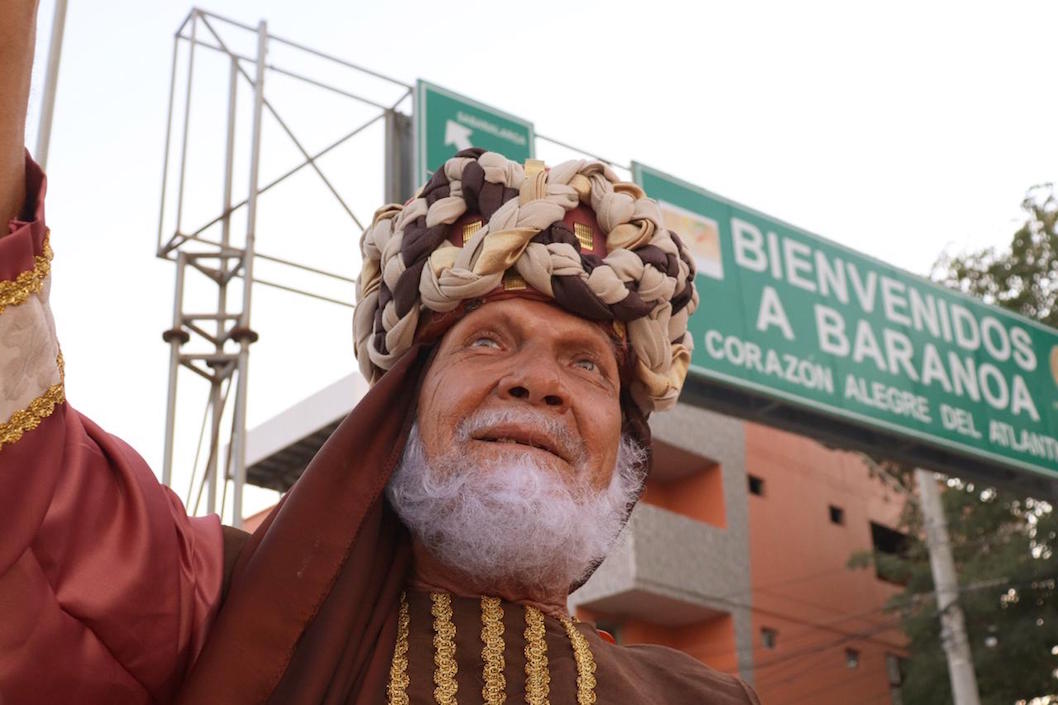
[(953, 626), (51, 80)]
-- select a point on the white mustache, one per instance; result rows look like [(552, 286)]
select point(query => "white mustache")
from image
[(570, 443)]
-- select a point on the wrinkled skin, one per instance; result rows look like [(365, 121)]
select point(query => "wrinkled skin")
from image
[(519, 353)]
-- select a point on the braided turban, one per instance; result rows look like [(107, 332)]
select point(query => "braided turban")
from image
[(639, 274)]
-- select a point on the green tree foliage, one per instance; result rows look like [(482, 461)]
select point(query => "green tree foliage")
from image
[(1004, 546), (1004, 554), (1023, 277)]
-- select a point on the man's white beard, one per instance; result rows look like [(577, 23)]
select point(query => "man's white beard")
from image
[(512, 522)]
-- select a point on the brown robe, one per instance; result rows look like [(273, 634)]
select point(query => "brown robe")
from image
[(615, 674), (311, 612)]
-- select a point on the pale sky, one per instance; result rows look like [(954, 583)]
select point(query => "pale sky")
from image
[(898, 129)]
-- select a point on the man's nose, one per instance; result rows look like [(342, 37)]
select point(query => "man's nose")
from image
[(535, 379)]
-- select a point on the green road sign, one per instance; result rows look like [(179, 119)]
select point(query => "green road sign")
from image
[(446, 122), (791, 317)]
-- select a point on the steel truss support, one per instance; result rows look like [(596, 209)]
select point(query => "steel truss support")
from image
[(215, 344)]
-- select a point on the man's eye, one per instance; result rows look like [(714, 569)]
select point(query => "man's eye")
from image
[(484, 342), (587, 364)]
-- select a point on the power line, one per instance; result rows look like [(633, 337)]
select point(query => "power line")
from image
[(864, 635), (820, 647), (829, 686)]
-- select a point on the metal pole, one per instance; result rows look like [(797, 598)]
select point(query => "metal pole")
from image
[(953, 627), (187, 124), (216, 400), (239, 422), (399, 183), (168, 135), (175, 341), (47, 109)]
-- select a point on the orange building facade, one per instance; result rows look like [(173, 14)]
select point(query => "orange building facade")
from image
[(751, 530)]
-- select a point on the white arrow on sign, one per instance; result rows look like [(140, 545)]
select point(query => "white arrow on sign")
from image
[(457, 134)]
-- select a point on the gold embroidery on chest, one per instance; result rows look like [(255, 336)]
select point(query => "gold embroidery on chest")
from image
[(444, 644), (398, 670), (585, 664), (537, 678), (494, 687), (40, 408), (15, 291)]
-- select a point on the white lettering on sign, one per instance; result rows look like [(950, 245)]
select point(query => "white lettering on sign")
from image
[(885, 311), (768, 362), (831, 327), (884, 397), (492, 128), (958, 420), (1023, 440), (749, 246), (771, 313)]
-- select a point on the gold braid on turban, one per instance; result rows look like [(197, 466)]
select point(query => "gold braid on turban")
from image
[(643, 277)]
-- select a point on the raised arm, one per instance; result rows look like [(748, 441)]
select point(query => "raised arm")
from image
[(107, 587), (17, 33)]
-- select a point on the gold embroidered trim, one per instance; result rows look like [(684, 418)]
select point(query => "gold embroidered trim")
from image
[(39, 409), (15, 291), (513, 281), (585, 664), (494, 688), (470, 228), (537, 679), (444, 644), (585, 235), (398, 670)]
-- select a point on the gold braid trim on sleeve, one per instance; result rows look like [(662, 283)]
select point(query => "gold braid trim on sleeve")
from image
[(398, 670), (15, 291), (585, 664), (537, 678), (494, 686), (444, 643), (39, 409)]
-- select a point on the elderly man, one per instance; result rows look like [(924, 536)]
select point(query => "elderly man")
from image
[(518, 324)]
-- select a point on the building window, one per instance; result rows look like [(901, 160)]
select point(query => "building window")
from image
[(852, 658), (756, 485), (768, 637), (889, 548), (837, 515), (895, 667)]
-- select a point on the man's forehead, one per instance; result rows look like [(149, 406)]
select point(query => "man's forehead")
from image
[(531, 317)]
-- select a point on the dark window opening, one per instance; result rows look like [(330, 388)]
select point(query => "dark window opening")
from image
[(852, 658), (837, 515), (756, 485), (889, 548), (895, 668), (768, 637)]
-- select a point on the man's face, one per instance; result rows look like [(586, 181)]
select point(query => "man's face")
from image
[(526, 356)]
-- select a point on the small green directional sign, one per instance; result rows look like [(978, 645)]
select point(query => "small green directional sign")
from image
[(446, 122)]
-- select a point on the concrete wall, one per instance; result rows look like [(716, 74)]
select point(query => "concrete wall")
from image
[(674, 578)]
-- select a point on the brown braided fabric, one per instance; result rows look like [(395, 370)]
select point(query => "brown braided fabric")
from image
[(642, 277)]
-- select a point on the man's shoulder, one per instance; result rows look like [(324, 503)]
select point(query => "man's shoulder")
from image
[(675, 675)]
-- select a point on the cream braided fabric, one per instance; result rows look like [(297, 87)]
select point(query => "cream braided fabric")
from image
[(646, 279)]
